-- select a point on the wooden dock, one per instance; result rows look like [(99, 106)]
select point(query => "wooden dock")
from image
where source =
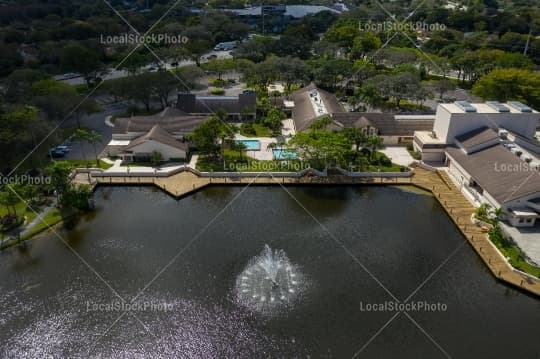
[(459, 209)]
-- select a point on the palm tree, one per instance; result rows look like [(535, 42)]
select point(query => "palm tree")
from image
[(94, 138), (356, 136), (156, 158), (240, 147), (9, 199), (375, 143), (80, 136)]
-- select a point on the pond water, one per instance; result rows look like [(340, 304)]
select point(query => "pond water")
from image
[(355, 248)]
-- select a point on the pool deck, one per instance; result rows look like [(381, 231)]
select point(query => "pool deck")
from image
[(458, 208)]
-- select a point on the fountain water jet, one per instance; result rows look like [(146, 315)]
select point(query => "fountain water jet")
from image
[(269, 282)]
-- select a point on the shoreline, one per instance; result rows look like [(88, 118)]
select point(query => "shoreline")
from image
[(456, 206)]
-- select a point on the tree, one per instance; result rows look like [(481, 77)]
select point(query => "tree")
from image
[(94, 138), (219, 66), (291, 70), (375, 143), (210, 137), (357, 136), (273, 119), (78, 58), (510, 84), (240, 147), (59, 172), (442, 86), (363, 44), (9, 198), (156, 158), (81, 136), (321, 148)]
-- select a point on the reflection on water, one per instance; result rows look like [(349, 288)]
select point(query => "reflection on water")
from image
[(53, 305)]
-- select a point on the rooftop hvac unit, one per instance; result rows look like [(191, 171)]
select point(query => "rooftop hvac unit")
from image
[(519, 106), (497, 106), (465, 106)]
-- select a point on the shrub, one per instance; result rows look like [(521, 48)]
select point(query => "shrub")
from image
[(217, 91), (248, 129), (385, 161)]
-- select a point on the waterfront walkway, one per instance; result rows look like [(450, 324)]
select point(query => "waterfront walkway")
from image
[(452, 200), (460, 211)]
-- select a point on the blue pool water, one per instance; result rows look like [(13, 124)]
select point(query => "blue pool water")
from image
[(280, 154), (251, 145)]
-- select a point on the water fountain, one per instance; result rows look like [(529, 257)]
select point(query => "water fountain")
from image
[(269, 282)]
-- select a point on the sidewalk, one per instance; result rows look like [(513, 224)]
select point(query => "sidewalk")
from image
[(38, 219)]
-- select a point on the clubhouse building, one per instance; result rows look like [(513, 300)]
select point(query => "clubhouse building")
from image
[(492, 153)]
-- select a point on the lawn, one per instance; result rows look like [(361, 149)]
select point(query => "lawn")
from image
[(233, 163), (516, 258), (260, 131), (21, 210), (91, 163), (53, 217)]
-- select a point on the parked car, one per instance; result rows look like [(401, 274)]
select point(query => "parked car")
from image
[(63, 148), (56, 153), (226, 46), (71, 75)]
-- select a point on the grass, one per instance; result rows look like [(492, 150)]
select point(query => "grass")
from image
[(515, 256), (22, 210), (52, 218), (260, 131), (91, 163), (233, 163)]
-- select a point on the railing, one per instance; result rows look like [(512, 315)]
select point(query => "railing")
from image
[(306, 172)]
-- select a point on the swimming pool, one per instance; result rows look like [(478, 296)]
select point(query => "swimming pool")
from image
[(251, 145), (280, 154)]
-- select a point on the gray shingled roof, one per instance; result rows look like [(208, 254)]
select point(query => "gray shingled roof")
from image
[(303, 113), (477, 137), (486, 166), (171, 119), (386, 123), (158, 134)]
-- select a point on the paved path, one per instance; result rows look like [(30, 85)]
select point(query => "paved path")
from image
[(460, 210), (38, 219), (398, 155)]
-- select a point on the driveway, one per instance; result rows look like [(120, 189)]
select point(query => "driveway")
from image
[(398, 155), (96, 122), (528, 239)]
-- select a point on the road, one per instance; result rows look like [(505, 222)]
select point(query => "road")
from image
[(117, 74), (96, 122)]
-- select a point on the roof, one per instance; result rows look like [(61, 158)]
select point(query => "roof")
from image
[(296, 11), (303, 112), (158, 134), (192, 104), (171, 119), (479, 136), (485, 108), (386, 123), (517, 180)]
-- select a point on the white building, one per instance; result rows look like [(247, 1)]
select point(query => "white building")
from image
[(156, 140), (491, 153)]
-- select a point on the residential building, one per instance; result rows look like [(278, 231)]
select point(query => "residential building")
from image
[(310, 104), (156, 140), (238, 108)]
